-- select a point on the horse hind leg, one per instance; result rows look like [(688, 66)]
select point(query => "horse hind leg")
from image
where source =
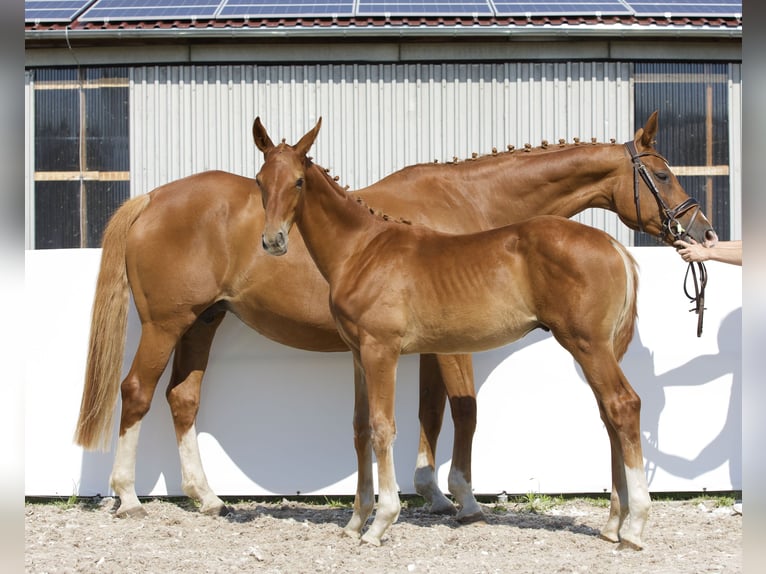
[(452, 375), (620, 409), (433, 396), (183, 395), (137, 390)]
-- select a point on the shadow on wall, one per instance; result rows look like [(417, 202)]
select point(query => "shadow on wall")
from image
[(653, 389)]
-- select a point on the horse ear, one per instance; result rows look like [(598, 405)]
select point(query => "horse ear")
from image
[(305, 143), (645, 135), (261, 137)]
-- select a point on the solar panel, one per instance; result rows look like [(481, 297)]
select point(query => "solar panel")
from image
[(574, 8), (424, 8), (690, 8), (53, 11), (268, 8), (151, 10)]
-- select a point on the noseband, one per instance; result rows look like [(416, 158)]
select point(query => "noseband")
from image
[(671, 226)]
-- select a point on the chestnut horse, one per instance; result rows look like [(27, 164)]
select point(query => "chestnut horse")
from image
[(398, 288), (184, 250)]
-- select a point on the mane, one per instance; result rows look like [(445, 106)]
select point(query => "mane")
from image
[(333, 181), (545, 146)]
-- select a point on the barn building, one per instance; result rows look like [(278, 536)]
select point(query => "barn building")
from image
[(122, 96)]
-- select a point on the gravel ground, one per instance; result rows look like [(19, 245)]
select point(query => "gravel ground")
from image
[(694, 536)]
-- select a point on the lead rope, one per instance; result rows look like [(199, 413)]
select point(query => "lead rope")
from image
[(699, 291)]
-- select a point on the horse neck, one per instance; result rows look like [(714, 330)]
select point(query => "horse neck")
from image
[(560, 181), (333, 225)]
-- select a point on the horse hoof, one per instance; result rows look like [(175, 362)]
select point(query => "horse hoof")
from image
[(608, 537), (630, 545), (447, 509), (216, 510), (351, 533), (135, 512), (369, 539), (471, 518)]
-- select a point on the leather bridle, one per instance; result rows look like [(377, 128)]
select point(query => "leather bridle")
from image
[(671, 226)]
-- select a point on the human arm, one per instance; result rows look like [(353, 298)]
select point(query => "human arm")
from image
[(723, 251)]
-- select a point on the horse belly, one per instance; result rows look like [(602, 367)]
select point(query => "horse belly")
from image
[(469, 330)]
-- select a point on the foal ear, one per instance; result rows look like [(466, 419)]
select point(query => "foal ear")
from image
[(261, 137), (304, 145), (645, 135)]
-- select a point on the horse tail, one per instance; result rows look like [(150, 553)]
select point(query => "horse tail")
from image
[(626, 322), (107, 331)]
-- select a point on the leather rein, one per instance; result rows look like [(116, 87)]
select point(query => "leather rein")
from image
[(671, 226)]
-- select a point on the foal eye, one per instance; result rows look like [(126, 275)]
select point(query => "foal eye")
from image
[(299, 183)]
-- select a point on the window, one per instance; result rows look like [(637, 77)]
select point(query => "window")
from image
[(81, 154), (694, 131)]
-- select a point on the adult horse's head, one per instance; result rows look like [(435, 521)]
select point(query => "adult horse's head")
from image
[(661, 206), (281, 181)]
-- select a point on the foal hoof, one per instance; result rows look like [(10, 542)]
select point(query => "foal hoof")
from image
[(135, 512), (626, 544), (370, 539), (218, 510), (351, 533)]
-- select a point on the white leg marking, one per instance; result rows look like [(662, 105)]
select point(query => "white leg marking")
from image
[(193, 480), (639, 503), (123, 478), (462, 490)]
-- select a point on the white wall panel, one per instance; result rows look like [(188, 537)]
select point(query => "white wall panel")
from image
[(277, 420), (377, 118)]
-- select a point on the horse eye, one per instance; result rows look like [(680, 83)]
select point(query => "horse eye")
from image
[(662, 175), (299, 183)]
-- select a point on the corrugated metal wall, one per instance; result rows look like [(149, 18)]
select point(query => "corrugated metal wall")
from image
[(377, 118)]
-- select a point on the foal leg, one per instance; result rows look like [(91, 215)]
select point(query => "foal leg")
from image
[(621, 409), (364, 501), (379, 363), (137, 390), (183, 395)]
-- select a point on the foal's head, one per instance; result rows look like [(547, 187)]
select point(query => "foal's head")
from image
[(281, 180)]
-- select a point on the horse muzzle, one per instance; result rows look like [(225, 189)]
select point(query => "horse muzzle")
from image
[(276, 244)]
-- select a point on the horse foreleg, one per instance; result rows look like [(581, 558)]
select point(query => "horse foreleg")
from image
[(137, 391), (379, 363), (457, 373), (433, 395), (183, 395), (364, 501)]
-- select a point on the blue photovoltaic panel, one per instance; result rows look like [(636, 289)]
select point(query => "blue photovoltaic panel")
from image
[(582, 8), (691, 8), (53, 10), (151, 10), (286, 8), (424, 8)]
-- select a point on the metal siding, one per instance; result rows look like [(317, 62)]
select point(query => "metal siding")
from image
[(377, 118), (735, 149), (29, 159)]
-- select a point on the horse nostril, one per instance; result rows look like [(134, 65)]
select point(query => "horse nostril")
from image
[(280, 239), (264, 244)]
